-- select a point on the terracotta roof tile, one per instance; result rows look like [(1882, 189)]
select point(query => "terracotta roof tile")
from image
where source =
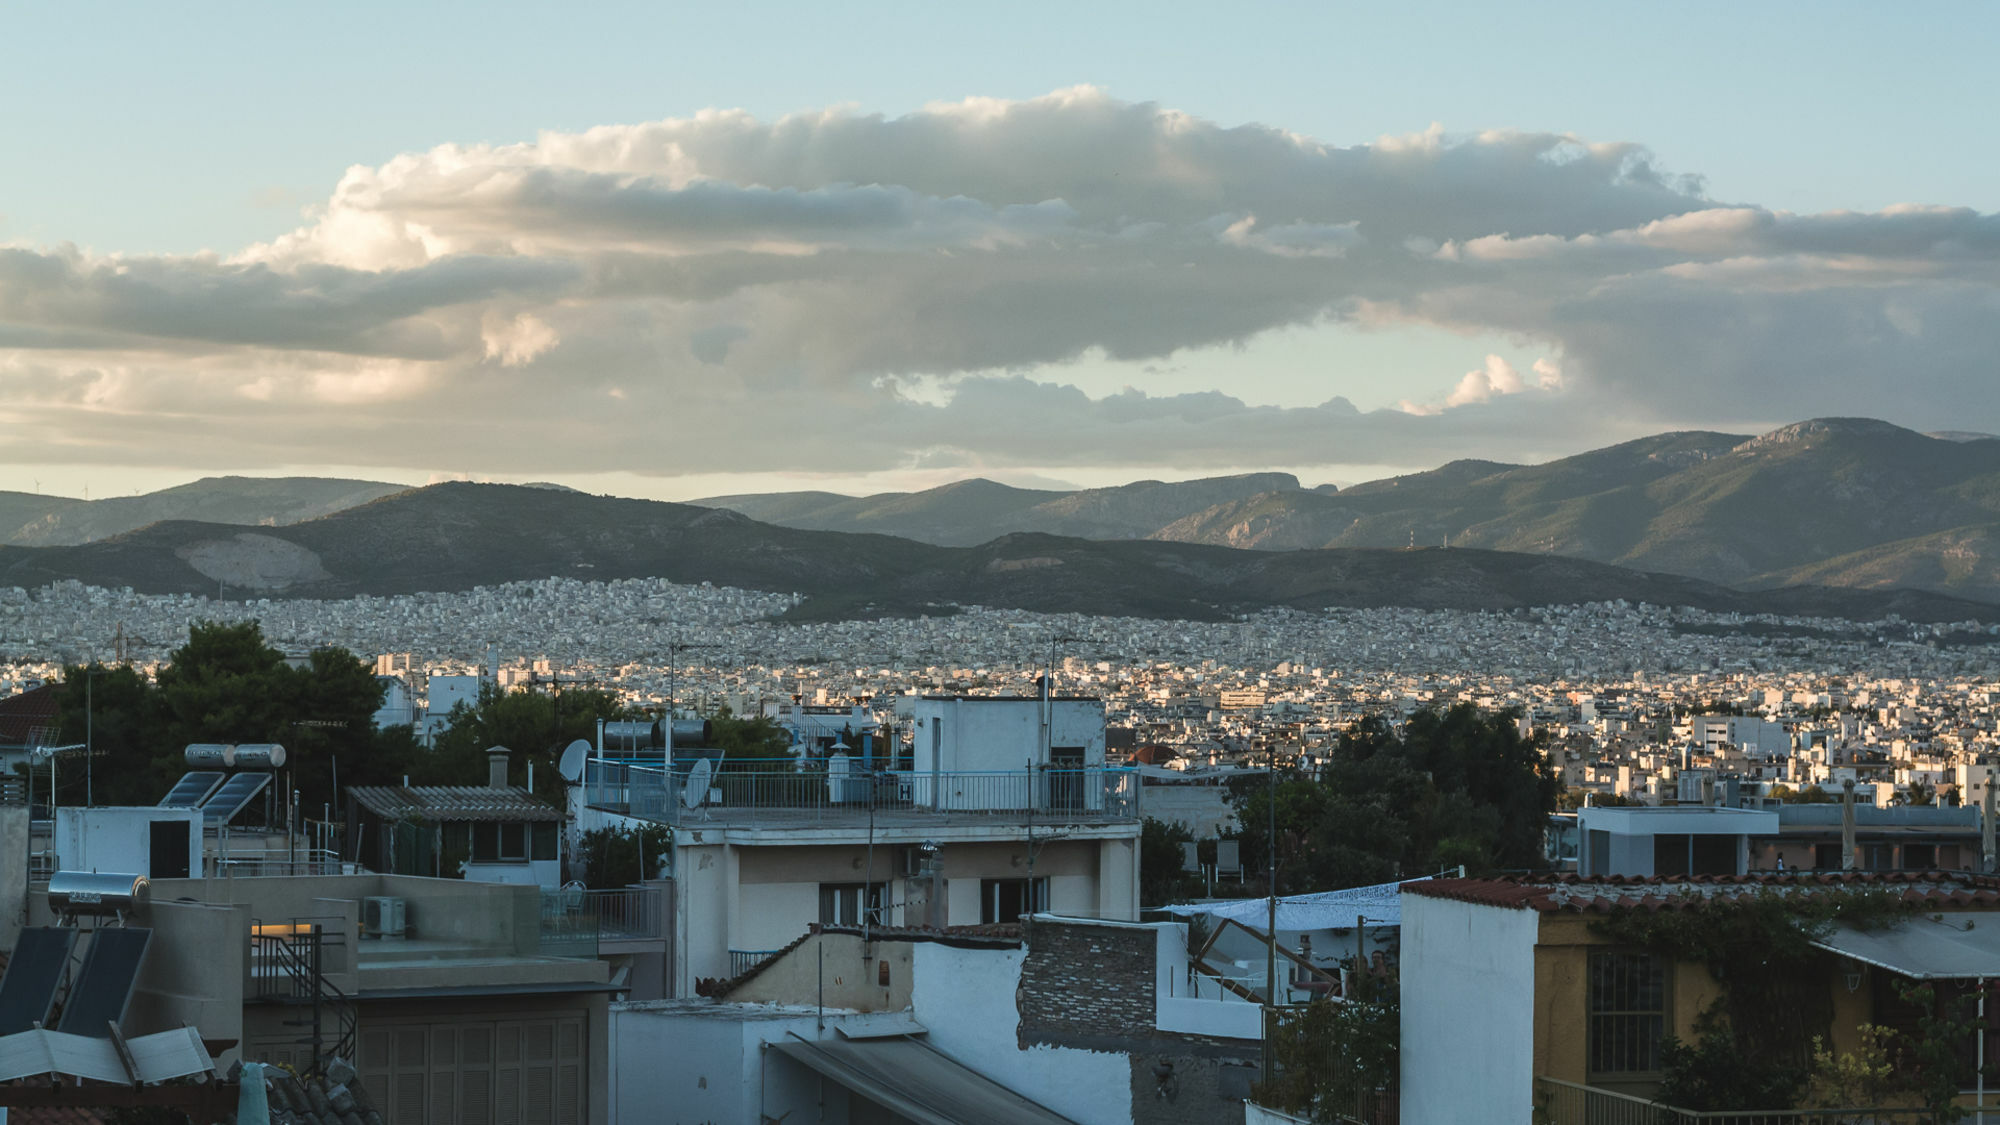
[(1602, 894)]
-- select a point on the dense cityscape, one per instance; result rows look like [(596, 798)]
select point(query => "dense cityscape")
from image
[(1613, 686)]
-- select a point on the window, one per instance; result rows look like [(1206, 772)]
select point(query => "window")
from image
[(1005, 900), (1628, 1012), (1670, 854), (1919, 857), (1826, 857), (840, 903), (506, 843)]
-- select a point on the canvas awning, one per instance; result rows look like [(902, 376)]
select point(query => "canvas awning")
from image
[(1962, 946), (1381, 904), (914, 1081)]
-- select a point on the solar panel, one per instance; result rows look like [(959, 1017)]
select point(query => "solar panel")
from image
[(104, 985), (29, 987), (189, 791), (222, 805)]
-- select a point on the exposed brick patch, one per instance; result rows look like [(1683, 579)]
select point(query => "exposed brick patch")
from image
[(1086, 981)]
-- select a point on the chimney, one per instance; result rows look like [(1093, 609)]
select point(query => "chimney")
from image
[(1847, 846), (1986, 825), (496, 767)]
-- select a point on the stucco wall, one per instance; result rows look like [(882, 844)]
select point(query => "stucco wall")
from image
[(679, 1070), (966, 998), (1468, 995), (840, 967), (13, 873)]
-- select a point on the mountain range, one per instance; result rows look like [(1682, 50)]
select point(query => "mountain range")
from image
[(1797, 514), (458, 535), (1833, 501)]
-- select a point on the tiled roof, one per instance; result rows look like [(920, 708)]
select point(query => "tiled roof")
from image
[(1552, 894), (453, 802), (22, 715), (56, 1115)]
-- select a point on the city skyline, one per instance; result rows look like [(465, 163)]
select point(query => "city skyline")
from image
[(1032, 269)]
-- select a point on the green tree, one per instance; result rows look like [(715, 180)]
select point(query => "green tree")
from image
[(618, 857), (1453, 787), (120, 724), (227, 685), (1333, 1058), (535, 725), (1161, 873)]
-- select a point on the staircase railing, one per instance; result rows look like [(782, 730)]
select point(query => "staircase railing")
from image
[(288, 965)]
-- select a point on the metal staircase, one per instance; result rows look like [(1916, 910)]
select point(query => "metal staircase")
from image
[(288, 966)]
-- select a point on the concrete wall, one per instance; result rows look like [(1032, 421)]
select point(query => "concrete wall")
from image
[(1002, 734), (763, 898), (13, 873), (1468, 996), (1202, 809), (672, 1067), (194, 971), (488, 915), (966, 997), (843, 969)]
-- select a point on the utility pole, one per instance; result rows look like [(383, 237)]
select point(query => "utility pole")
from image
[(1271, 919), (89, 741)]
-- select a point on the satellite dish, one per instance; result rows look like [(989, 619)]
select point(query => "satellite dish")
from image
[(695, 793), (571, 765)]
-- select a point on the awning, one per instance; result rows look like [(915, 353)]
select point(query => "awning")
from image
[(1964, 946), (1380, 904), (911, 1079)]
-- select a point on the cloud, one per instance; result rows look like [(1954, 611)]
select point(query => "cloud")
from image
[(762, 290)]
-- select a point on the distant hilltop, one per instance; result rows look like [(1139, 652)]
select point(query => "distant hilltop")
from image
[(1828, 505), (456, 536)]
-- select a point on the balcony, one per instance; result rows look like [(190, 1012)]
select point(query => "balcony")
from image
[(785, 792)]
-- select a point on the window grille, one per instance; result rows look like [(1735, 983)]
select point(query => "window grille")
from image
[(1628, 1012)]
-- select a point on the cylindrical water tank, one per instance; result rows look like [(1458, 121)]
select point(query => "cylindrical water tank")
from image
[(206, 756), (89, 892), (256, 756), (629, 737), (693, 732)]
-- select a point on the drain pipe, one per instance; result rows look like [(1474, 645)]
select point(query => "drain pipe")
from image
[(1986, 826), (1847, 845)]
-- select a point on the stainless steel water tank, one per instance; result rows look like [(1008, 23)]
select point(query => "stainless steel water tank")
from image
[(95, 893), (257, 756), (206, 756)]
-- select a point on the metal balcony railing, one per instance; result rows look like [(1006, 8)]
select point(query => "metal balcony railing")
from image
[(751, 791), (1569, 1103), (618, 914), (743, 960)]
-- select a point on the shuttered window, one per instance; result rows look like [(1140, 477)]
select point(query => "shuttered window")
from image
[(478, 1072)]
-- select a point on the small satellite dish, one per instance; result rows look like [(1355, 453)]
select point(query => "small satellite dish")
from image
[(571, 765), (695, 793)]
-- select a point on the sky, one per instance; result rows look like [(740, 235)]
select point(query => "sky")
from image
[(676, 251)]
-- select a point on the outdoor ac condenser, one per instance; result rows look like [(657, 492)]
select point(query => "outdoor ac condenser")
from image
[(383, 916)]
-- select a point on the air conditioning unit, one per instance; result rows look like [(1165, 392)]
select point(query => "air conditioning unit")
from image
[(383, 916)]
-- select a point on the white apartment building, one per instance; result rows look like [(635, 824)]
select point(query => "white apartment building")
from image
[(996, 808)]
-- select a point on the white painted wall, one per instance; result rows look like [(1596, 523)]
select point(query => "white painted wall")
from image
[(1468, 993), (966, 998), (1002, 734), (544, 873), (119, 840)]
